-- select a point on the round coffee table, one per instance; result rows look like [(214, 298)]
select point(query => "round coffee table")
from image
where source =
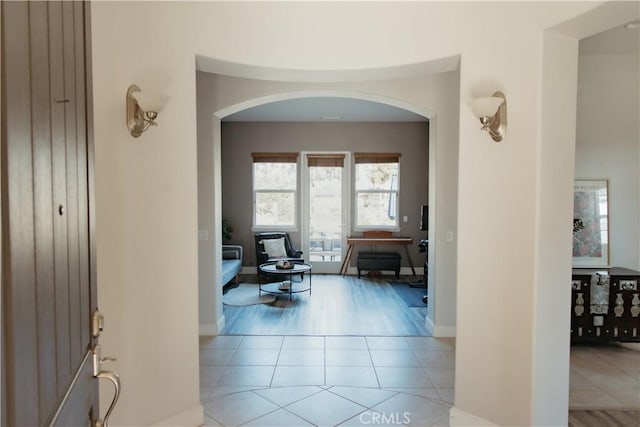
[(294, 288)]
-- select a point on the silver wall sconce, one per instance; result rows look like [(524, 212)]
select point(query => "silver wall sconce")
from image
[(492, 112), (142, 110)]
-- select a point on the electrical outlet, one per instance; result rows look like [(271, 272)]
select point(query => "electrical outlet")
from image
[(449, 236), (203, 234), (405, 218)]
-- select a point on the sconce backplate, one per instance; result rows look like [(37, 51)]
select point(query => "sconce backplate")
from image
[(498, 127), (135, 123)]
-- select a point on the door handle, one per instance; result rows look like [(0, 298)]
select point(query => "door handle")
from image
[(113, 377), (98, 372)]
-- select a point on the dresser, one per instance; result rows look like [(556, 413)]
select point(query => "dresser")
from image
[(605, 305)]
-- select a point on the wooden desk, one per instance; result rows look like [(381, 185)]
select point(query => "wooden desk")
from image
[(353, 241)]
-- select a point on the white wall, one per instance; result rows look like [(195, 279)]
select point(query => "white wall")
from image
[(608, 144), (211, 316), (147, 189), (146, 199), (555, 195)]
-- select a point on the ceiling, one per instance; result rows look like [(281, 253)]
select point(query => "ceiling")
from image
[(616, 41), (324, 109), (619, 40)]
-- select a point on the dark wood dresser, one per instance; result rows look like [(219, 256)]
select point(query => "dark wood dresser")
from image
[(605, 304)]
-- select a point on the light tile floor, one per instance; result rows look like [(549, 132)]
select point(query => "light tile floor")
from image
[(326, 380), (279, 381)]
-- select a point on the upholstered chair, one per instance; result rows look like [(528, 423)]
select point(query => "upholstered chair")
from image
[(274, 246)]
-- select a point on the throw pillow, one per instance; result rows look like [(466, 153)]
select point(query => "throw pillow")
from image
[(275, 247)]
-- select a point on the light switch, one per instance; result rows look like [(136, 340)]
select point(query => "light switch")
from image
[(449, 236), (203, 234), (405, 218)]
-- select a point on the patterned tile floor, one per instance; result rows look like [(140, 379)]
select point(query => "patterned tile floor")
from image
[(274, 381), (326, 381)]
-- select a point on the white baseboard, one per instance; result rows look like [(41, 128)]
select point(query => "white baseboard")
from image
[(212, 329), (439, 331), (428, 323), (192, 417), (459, 418), (209, 329), (444, 331), (630, 345), (404, 271)]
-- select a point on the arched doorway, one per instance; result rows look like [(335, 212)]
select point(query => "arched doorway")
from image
[(442, 165), (370, 97)]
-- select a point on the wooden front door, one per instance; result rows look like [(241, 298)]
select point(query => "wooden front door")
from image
[(48, 247)]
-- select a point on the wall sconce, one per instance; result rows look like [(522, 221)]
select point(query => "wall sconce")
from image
[(142, 110), (492, 112)]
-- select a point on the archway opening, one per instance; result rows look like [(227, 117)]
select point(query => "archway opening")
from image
[(328, 121)]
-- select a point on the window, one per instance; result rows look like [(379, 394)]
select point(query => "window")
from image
[(275, 184), (376, 190)]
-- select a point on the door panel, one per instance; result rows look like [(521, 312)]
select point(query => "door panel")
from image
[(71, 208), (82, 393), (20, 320), (82, 172), (48, 288), (59, 181), (43, 209)]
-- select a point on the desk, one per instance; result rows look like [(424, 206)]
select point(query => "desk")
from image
[(353, 241)]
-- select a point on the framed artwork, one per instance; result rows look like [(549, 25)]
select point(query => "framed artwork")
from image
[(590, 224)]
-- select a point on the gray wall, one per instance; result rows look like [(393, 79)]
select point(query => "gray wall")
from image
[(240, 139)]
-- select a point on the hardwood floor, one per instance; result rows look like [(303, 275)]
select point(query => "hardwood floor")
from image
[(609, 418), (337, 306)]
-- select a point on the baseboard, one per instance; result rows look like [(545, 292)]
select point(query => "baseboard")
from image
[(220, 323), (439, 331), (635, 346), (212, 329), (461, 418), (191, 417), (428, 323), (404, 271), (444, 331)]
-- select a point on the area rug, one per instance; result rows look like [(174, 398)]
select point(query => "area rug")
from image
[(246, 294), (411, 296)]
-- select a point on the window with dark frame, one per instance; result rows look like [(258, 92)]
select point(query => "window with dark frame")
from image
[(376, 190), (275, 187)]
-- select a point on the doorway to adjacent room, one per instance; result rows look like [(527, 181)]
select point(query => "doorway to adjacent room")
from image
[(325, 177)]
